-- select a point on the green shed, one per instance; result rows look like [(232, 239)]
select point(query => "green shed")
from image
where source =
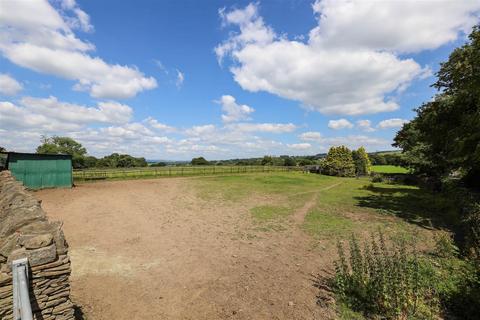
[(38, 171)]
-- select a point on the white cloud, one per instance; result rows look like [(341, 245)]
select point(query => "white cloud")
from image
[(311, 136), (234, 111), (36, 36), (328, 76), (50, 115), (8, 85), (81, 20), (180, 79), (340, 124), (351, 141), (264, 127), (300, 146), (400, 26), (201, 130), (391, 123), (160, 65), (159, 126), (365, 125)]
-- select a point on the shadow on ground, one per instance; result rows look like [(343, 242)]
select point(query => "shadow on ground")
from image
[(78, 313), (417, 206)]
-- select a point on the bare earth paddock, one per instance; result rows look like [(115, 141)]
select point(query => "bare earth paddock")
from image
[(190, 248)]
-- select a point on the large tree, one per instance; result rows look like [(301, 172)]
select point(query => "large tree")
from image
[(116, 160), (64, 145), (362, 162), (444, 137), (200, 161), (339, 162)]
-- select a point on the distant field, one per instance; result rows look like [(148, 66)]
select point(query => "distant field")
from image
[(389, 169)]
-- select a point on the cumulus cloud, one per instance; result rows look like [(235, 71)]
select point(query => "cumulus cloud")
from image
[(159, 126), (365, 125), (232, 111), (299, 146), (34, 35), (391, 123), (51, 115), (351, 141), (9, 86), (400, 26), (311, 136), (263, 127), (340, 124), (327, 75)]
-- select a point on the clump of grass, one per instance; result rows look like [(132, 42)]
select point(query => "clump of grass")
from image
[(384, 280)]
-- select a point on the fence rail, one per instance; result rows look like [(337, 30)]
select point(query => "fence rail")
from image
[(131, 173)]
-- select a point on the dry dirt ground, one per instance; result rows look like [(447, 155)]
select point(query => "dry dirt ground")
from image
[(155, 249)]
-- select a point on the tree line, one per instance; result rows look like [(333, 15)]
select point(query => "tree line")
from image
[(80, 158)]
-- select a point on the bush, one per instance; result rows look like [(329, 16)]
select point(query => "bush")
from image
[(377, 177), (385, 281)]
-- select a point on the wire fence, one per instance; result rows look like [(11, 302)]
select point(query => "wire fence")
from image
[(146, 172)]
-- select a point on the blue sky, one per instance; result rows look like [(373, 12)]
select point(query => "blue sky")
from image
[(220, 79)]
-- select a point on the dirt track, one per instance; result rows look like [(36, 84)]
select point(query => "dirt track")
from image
[(152, 249)]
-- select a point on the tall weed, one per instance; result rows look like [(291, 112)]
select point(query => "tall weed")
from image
[(385, 280)]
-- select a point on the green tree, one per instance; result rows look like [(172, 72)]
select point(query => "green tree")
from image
[(116, 160), (200, 161), (339, 162), (267, 161), (159, 164), (2, 149), (64, 145), (305, 162), (444, 137), (289, 162), (90, 162), (362, 162)]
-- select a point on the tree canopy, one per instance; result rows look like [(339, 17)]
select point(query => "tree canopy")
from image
[(64, 145), (362, 162), (444, 137), (339, 162), (200, 161)]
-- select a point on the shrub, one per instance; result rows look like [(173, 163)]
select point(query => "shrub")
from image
[(385, 281), (377, 177)]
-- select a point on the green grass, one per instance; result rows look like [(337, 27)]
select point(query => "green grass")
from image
[(354, 205), (389, 169), (268, 213), (327, 224), (238, 187)]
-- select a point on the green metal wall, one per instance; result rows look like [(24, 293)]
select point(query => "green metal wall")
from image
[(41, 171)]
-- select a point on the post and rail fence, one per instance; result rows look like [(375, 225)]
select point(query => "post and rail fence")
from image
[(172, 171)]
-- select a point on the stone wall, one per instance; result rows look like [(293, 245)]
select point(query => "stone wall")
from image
[(26, 232)]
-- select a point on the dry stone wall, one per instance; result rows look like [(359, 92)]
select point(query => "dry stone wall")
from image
[(26, 232)]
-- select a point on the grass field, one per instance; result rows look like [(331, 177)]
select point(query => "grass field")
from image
[(389, 169), (240, 246), (352, 205)]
